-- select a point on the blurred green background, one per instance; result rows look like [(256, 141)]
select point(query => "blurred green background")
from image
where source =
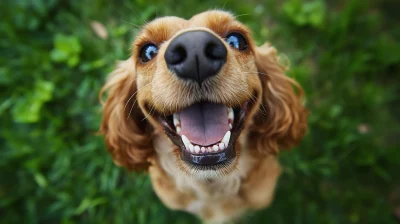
[(55, 55)]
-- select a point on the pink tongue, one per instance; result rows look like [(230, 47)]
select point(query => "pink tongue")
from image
[(204, 123)]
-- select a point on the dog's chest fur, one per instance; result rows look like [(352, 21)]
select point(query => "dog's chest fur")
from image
[(215, 199)]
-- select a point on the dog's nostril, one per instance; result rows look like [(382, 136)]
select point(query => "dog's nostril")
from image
[(215, 51), (176, 55)]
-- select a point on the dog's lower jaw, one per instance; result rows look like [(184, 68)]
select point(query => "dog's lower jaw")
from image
[(214, 200)]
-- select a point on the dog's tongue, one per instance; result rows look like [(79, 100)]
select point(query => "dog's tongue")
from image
[(204, 123)]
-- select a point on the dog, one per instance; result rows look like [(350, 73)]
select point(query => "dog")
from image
[(205, 111)]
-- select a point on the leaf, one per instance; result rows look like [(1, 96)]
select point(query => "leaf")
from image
[(73, 61), (67, 43), (28, 106), (335, 111), (4, 76), (315, 11), (5, 105), (305, 13), (58, 56), (40, 180), (66, 49), (26, 110), (44, 90), (89, 203)]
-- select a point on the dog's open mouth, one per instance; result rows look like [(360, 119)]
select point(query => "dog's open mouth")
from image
[(206, 132)]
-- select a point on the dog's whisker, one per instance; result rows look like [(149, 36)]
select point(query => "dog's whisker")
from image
[(256, 73), (261, 108), (134, 93), (246, 65), (130, 111), (149, 114), (137, 16), (130, 83), (263, 111), (134, 102), (153, 109), (262, 73), (237, 16), (135, 25), (223, 6)]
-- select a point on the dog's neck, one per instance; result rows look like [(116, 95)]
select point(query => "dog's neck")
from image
[(205, 187)]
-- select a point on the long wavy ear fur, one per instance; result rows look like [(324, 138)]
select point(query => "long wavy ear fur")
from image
[(127, 134), (282, 119)]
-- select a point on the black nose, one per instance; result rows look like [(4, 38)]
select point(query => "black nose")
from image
[(195, 55)]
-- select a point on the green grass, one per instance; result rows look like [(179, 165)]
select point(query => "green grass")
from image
[(55, 169)]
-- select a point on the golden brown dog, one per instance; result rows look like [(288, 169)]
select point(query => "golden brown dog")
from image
[(205, 111)]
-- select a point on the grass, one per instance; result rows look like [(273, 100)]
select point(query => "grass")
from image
[(55, 169)]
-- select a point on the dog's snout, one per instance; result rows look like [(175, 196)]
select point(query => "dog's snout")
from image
[(196, 55)]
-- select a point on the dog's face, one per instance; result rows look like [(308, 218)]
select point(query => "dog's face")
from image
[(198, 80), (205, 83)]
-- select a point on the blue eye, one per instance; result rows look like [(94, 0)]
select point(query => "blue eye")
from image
[(237, 40), (148, 52)]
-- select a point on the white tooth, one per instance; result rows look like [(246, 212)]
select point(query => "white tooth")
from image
[(209, 149), (203, 150), (196, 149), (230, 114), (215, 147), (176, 119), (221, 146), (185, 141), (226, 138), (230, 126), (191, 148), (178, 130)]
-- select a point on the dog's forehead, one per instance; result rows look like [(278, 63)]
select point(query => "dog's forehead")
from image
[(211, 19), (215, 20), (163, 28)]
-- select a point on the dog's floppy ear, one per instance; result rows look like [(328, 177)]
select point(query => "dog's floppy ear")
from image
[(127, 134), (282, 119)]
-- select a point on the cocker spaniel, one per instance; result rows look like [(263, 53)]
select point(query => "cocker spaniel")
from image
[(205, 111)]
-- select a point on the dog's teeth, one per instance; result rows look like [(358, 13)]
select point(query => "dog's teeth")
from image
[(230, 114), (191, 148), (215, 148), (230, 126), (185, 141), (226, 138), (177, 122), (197, 149)]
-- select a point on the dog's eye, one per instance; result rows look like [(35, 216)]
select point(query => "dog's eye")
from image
[(148, 52), (237, 40)]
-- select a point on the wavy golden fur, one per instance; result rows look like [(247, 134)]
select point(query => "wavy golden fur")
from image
[(136, 140)]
